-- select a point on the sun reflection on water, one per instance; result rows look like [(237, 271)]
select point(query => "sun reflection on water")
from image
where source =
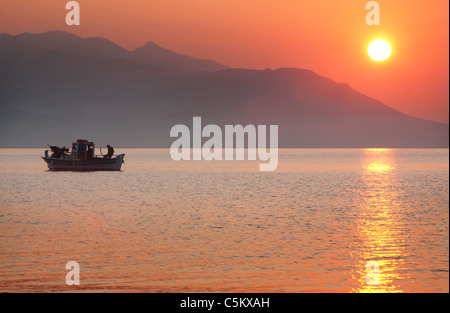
[(379, 227)]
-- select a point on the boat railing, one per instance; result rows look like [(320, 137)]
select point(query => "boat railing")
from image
[(103, 156)]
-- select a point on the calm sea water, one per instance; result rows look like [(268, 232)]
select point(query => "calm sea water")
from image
[(165, 226)]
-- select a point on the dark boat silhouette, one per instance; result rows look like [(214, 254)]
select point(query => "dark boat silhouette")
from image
[(81, 158)]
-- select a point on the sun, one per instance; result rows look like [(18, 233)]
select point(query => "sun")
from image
[(379, 50)]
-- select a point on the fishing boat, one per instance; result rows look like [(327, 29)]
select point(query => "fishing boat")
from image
[(81, 158)]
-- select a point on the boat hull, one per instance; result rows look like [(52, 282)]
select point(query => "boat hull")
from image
[(96, 164)]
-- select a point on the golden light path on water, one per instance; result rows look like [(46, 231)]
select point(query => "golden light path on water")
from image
[(379, 228)]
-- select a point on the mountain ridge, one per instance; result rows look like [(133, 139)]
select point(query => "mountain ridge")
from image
[(67, 42), (57, 95)]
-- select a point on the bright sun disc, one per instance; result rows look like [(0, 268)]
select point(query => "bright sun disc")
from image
[(379, 50)]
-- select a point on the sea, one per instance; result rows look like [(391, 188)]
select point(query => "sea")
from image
[(326, 221)]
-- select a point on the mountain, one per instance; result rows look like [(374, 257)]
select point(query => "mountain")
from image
[(152, 54), (67, 87), (63, 42), (59, 41)]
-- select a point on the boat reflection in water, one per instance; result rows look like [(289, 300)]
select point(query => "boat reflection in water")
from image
[(81, 158), (380, 228)]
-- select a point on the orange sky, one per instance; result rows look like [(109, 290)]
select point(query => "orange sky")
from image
[(329, 37)]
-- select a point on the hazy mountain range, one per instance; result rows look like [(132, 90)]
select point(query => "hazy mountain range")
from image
[(56, 87)]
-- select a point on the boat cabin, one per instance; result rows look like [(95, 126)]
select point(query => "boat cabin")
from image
[(83, 149)]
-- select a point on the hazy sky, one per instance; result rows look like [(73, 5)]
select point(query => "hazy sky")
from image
[(329, 37)]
